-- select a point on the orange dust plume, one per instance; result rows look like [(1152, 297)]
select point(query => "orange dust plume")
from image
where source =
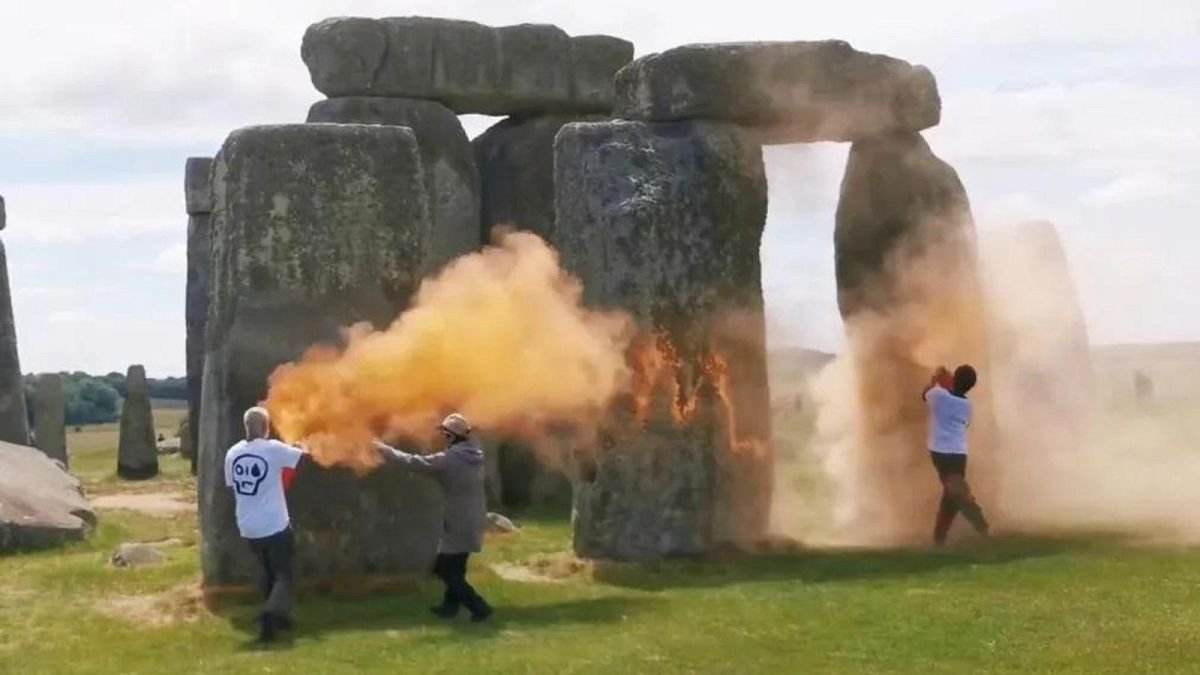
[(500, 335)]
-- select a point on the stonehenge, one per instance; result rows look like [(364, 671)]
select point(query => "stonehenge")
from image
[(450, 177), (1040, 356), (197, 189), (688, 465), (468, 67), (516, 162), (41, 505), (137, 451), (786, 92), (315, 227), (49, 416), (647, 176), (909, 293), (14, 417)]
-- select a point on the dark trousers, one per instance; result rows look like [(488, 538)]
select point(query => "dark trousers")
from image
[(451, 568), (956, 496), (274, 555)]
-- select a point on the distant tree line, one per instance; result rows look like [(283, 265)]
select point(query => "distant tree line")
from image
[(95, 399)]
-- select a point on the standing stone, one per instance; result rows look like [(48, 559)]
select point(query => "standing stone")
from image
[(198, 201), (1143, 389), (3, 214), (49, 416), (788, 92), (908, 290), (469, 67), (665, 221), (137, 452), (315, 227), (1041, 356), (14, 416), (516, 164), (450, 176)]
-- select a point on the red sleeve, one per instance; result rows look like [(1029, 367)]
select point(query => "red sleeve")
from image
[(288, 475)]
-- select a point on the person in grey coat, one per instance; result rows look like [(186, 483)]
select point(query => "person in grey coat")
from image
[(459, 469)]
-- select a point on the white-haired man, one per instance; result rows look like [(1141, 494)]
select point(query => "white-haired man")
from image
[(256, 469), (459, 470)]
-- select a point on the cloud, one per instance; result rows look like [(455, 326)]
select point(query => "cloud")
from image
[(117, 209), (1132, 189), (66, 316), (172, 260)]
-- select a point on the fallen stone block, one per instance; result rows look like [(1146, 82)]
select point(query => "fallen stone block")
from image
[(41, 505)]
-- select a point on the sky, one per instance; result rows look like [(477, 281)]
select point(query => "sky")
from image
[(1083, 113)]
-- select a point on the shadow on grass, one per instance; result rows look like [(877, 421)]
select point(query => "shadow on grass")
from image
[(817, 566), (320, 616)]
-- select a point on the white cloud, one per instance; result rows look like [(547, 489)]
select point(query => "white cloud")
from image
[(1132, 189), (66, 316), (58, 212), (172, 260)]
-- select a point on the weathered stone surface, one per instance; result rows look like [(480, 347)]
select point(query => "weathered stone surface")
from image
[(3, 214), (197, 185), (790, 92), (516, 165), (315, 227), (526, 481), (137, 451), (14, 417), (909, 292), (198, 195), (665, 221), (498, 523), (40, 504), (136, 555), (469, 67), (49, 416), (451, 178)]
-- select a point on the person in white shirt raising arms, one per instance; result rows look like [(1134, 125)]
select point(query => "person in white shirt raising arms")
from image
[(949, 416), (258, 469)]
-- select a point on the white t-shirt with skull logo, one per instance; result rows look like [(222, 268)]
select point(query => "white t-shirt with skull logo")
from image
[(254, 469)]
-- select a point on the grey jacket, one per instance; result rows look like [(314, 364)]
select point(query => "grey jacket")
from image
[(460, 471)]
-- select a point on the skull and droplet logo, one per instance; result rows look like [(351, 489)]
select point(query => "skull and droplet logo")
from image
[(248, 474)]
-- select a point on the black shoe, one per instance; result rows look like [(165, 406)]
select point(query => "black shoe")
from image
[(266, 628), (444, 612), (481, 615)]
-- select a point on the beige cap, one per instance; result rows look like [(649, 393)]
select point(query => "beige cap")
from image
[(456, 424)]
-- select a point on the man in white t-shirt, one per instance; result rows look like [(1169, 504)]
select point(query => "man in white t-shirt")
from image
[(257, 470), (949, 416)]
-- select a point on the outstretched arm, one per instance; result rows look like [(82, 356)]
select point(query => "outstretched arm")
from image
[(420, 463)]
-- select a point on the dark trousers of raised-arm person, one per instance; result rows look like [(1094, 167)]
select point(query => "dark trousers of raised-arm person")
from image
[(274, 555), (956, 496), (451, 568)]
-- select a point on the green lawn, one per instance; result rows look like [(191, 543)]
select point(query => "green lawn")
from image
[(1084, 605)]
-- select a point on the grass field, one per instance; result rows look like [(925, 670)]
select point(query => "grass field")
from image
[(1028, 605)]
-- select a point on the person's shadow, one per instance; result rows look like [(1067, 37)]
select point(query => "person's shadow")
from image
[(319, 615), (825, 566)]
